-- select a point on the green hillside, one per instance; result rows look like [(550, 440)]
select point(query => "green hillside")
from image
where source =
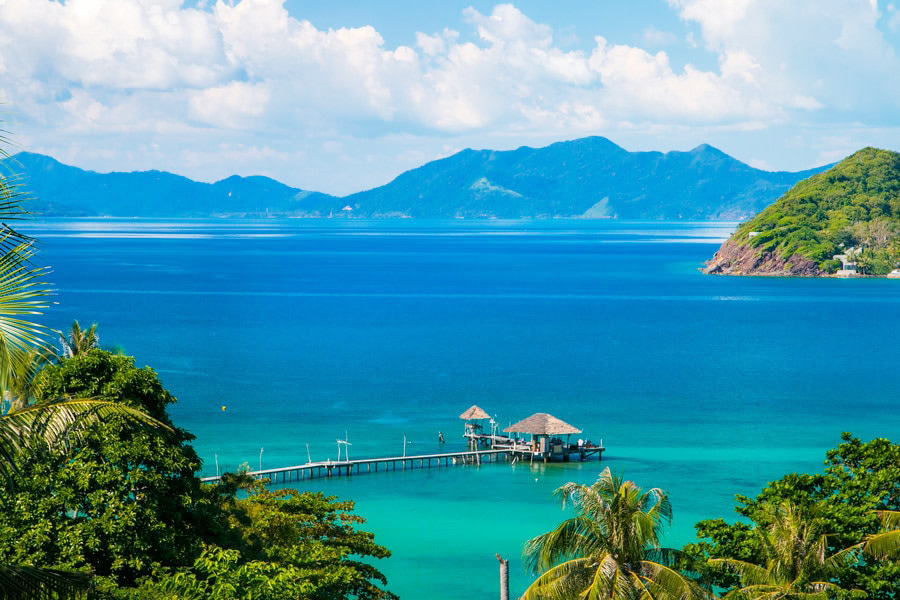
[(855, 204)]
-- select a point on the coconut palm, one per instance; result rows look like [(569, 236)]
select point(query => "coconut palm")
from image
[(610, 549), (79, 340), (796, 564)]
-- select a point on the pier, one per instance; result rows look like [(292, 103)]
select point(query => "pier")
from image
[(545, 445), (346, 468)]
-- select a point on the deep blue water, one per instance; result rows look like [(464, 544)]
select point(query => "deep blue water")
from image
[(704, 386)]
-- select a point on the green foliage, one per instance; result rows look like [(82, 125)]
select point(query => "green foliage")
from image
[(856, 203), (23, 350), (859, 479), (795, 560), (123, 501), (121, 498), (221, 574), (294, 545)]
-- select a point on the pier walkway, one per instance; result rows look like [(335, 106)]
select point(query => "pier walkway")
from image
[(346, 468)]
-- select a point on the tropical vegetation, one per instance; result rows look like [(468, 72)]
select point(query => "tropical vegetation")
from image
[(834, 513), (852, 208), (26, 425), (796, 562), (610, 548), (827, 536), (78, 340), (124, 503)]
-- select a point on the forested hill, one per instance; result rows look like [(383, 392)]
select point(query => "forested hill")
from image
[(589, 177), (851, 209)]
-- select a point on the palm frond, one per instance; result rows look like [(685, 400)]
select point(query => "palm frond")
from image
[(616, 528), (842, 559), (564, 581), (24, 385), (22, 293), (79, 340), (666, 582), (883, 545), (573, 537), (749, 573), (759, 592), (890, 519), (56, 423)]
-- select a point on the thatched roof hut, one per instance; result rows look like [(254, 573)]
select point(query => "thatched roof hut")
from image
[(542, 424), (473, 413)]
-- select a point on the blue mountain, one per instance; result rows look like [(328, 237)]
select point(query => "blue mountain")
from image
[(589, 177), (62, 190)]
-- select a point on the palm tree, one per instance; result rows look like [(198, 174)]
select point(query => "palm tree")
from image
[(795, 556), (610, 548), (79, 340)]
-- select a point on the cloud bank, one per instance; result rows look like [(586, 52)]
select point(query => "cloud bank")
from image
[(248, 82)]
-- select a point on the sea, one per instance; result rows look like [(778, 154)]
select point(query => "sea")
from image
[(280, 337)]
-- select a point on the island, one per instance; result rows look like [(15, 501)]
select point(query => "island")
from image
[(842, 222)]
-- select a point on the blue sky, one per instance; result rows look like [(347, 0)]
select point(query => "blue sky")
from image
[(344, 95)]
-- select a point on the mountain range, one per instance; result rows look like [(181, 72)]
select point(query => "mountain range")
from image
[(589, 177)]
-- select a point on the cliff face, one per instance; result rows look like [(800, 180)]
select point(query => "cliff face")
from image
[(739, 259)]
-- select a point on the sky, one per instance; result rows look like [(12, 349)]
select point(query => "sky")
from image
[(341, 96)]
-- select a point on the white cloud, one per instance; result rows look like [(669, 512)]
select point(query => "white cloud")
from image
[(231, 106), (251, 64), (809, 55), (653, 37), (247, 76)]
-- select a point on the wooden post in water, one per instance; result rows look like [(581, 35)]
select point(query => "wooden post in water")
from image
[(504, 578)]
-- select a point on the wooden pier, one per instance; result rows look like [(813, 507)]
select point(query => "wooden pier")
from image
[(346, 468)]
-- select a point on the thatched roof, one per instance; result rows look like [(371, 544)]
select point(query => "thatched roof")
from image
[(542, 424), (474, 412)]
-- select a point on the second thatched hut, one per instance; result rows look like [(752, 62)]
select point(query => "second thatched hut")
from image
[(546, 431)]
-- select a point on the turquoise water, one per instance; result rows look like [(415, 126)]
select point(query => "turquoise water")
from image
[(312, 330)]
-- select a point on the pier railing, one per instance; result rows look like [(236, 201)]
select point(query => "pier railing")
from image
[(346, 468)]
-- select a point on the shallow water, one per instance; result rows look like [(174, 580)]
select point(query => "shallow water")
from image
[(308, 331)]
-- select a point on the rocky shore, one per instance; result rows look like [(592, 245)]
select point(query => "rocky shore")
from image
[(733, 258)]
